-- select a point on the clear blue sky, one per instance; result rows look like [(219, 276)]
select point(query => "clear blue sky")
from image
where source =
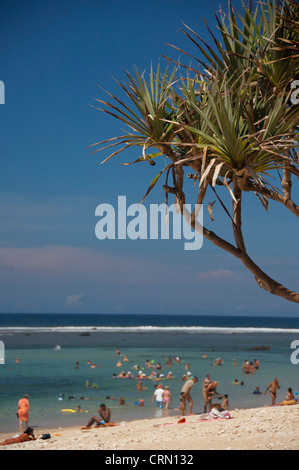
[(54, 54)]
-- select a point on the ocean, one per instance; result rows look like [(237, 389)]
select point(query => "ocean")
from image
[(41, 352)]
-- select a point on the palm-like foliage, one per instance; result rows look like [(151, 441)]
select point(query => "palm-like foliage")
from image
[(231, 121), (242, 127), (264, 40), (148, 115)]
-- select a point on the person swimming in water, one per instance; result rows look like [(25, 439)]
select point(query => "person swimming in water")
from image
[(139, 386)]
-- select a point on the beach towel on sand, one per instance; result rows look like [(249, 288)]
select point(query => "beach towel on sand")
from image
[(214, 414)]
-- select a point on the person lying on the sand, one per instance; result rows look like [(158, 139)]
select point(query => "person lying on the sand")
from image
[(104, 419), (28, 435)]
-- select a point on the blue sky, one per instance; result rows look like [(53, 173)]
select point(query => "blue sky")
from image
[(53, 57)]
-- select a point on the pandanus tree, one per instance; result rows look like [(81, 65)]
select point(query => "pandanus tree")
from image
[(228, 123)]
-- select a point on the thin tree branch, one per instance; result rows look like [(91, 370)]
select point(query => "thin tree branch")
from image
[(246, 185), (263, 280)]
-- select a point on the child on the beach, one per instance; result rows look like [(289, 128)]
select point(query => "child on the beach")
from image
[(225, 403)]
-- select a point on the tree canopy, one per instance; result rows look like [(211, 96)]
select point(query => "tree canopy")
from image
[(230, 122)]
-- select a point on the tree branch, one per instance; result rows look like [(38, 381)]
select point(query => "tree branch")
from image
[(263, 280), (246, 185), (240, 183)]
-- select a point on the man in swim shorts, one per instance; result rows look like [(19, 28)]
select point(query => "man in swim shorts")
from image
[(273, 387), (158, 395), (185, 395), (104, 419)]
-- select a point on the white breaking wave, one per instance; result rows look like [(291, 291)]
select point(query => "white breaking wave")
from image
[(145, 329)]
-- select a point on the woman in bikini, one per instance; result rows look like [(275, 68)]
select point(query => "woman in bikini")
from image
[(289, 399), (167, 398), (27, 435)]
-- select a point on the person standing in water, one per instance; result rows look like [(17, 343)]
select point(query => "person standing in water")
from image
[(273, 387), (23, 412), (167, 398), (185, 395)]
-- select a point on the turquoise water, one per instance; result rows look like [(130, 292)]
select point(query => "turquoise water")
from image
[(44, 373)]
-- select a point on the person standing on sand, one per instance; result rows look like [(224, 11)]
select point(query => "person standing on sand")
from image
[(23, 411), (273, 387), (185, 395)]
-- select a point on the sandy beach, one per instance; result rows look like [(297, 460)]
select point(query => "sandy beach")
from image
[(267, 428)]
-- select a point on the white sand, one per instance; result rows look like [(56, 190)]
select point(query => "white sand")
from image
[(268, 428)]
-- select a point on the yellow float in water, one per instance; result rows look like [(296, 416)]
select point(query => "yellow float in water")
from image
[(74, 411)]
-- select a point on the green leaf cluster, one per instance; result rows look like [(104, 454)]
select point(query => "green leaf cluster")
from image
[(231, 113)]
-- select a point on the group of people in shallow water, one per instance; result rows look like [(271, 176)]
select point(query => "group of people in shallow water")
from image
[(162, 394), (250, 367), (162, 397)]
